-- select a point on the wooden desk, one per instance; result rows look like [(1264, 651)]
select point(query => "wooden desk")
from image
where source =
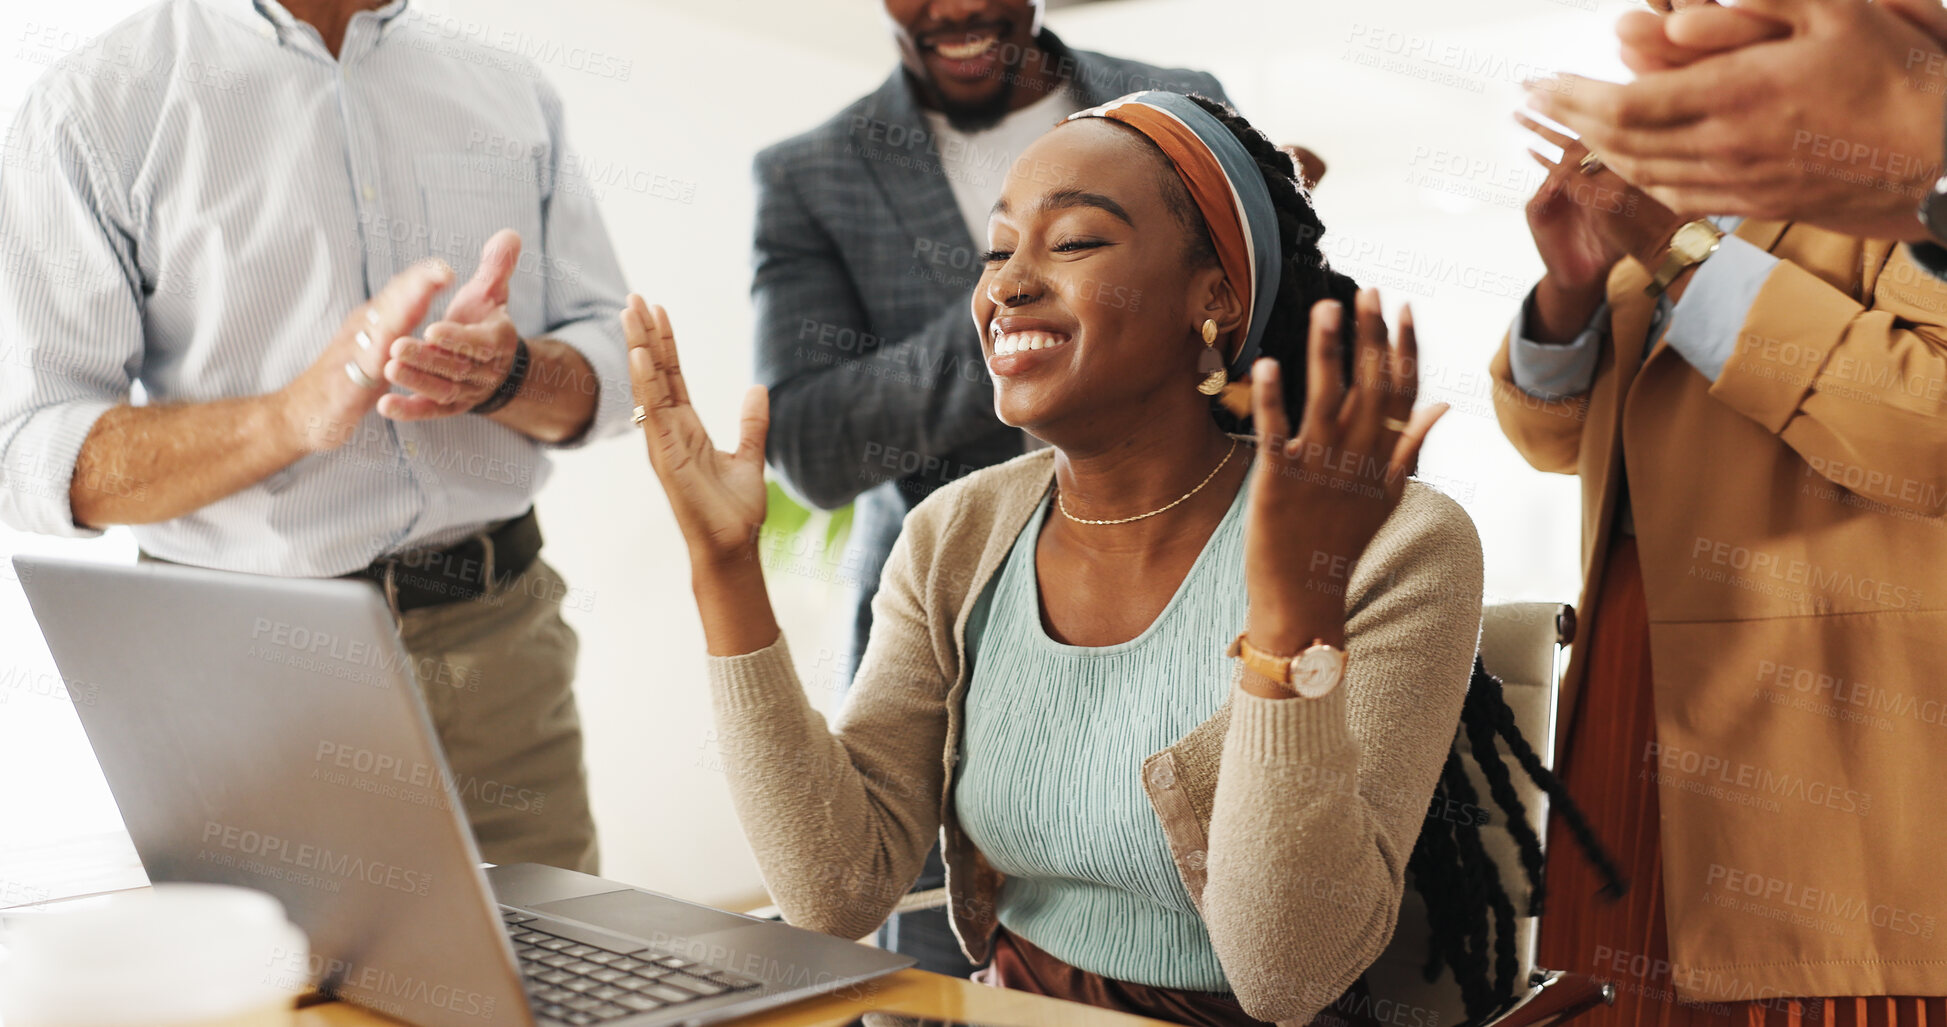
[(107, 863), (911, 992)]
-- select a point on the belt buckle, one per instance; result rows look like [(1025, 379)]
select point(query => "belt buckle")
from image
[(391, 587), (486, 563), (451, 584)]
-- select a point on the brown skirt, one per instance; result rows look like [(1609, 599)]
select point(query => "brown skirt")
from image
[(1626, 941), (1021, 966)]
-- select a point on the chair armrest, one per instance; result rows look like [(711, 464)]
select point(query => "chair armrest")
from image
[(1557, 996), (913, 902)]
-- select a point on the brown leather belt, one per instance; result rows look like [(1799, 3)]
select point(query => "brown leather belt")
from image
[(466, 570)]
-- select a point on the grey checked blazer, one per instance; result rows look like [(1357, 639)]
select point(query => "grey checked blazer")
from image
[(864, 276)]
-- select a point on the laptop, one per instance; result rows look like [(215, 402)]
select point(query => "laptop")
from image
[(267, 732)]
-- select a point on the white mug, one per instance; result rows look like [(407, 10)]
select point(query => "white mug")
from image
[(175, 955)]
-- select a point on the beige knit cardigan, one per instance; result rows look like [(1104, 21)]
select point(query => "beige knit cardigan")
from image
[(1294, 853)]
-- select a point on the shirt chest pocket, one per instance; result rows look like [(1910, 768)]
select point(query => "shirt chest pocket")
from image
[(466, 199)]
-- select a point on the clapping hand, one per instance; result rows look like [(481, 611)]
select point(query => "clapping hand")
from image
[(461, 359), (1584, 218), (1757, 111), (323, 406), (1660, 40)]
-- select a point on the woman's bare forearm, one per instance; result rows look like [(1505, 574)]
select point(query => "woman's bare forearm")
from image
[(144, 464), (733, 602)]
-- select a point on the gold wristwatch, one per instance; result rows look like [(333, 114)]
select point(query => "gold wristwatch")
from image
[(1311, 674), (1694, 242)]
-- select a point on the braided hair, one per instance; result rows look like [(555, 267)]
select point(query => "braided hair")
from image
[(1450, 866), (1305, 277)]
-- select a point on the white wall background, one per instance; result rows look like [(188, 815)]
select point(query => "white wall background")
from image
[(1408, 101)]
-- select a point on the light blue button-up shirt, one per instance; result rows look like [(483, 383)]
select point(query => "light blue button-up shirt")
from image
[(196, 200)]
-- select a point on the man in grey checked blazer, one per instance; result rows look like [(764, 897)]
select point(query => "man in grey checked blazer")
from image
[(865, 269), (864, 275)]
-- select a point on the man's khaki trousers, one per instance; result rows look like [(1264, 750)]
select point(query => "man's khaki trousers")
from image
[(497, 673)]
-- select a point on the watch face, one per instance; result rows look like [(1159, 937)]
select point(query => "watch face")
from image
[(1317, 671), (1933, 210), (1694, 241)]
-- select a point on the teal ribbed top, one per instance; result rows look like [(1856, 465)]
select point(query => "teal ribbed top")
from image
[(1050, 790)]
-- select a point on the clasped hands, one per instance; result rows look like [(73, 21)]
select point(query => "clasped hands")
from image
[(1756, 110), (450, 368)]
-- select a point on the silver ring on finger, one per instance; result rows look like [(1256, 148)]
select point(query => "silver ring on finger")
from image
[(1394, 424), (640, 415), (1590, 164), (359, 377)]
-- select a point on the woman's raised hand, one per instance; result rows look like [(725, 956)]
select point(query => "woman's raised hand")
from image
[(718, 497), (1318, 498)]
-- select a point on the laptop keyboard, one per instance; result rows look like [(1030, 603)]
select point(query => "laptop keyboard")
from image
[(578, 983)]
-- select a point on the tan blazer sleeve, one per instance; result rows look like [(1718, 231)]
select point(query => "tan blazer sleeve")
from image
[(1858, 389), (1548, 434), (841, 819)]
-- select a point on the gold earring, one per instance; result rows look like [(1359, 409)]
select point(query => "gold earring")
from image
[(1209, 364)]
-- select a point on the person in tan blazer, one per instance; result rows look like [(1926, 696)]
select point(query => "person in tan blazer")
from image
[(1754, 714)]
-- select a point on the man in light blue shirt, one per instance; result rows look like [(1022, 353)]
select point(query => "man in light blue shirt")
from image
[(260, 216)]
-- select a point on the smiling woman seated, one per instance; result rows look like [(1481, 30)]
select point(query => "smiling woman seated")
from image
[(1133, 815)]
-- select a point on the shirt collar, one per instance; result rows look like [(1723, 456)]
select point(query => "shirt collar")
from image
[(269, 18)]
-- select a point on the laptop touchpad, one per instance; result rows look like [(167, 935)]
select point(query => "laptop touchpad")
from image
[(661, 922)]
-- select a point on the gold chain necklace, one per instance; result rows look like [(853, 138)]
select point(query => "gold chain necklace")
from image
[(1125, 520)]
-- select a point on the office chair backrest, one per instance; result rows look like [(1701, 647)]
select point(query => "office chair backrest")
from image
[(1518, 645)]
